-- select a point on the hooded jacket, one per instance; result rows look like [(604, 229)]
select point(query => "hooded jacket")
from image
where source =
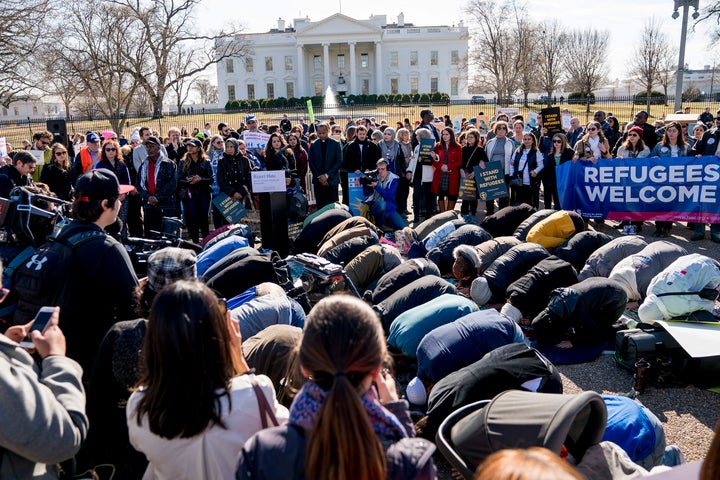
[(601, 262), (553, 230), (580, 246)]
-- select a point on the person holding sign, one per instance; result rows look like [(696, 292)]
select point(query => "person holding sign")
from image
[(672, 145), (447, 160), (500, 148), (421, 179), (472, 155), (234, 172)]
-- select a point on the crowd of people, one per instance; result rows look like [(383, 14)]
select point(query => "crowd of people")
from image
[(207, 368)]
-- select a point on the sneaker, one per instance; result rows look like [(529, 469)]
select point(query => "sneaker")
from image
[(625, 230), (631, 230)]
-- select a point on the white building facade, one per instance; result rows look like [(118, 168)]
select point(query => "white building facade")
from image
[(352, 57)]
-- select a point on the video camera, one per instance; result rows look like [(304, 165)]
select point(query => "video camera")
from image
[(369, 176), (29, 217)]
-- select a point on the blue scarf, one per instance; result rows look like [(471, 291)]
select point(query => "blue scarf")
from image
[(310, 398)]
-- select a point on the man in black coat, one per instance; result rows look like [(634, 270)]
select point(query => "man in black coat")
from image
[(325, 159)]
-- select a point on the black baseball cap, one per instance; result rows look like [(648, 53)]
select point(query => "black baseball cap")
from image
[(152, 139), (100, 184), (426, 112)]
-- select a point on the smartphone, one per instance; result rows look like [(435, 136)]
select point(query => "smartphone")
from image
[(41, 321)]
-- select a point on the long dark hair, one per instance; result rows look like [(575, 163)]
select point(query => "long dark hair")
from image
[(342, 344), (453, 142), (189, 357), (680, 138), (187, 159)]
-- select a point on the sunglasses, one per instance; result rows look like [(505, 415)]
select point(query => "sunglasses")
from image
[(111, 149), (60, 153), (633, 135), (557, 141), (502, 128), (591, 129)]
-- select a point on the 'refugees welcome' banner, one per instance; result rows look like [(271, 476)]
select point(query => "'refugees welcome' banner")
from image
[(670, 189)]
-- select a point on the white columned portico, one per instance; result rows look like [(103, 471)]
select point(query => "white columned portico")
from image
[(326, 66), (353, 70), (378, 68), (300, 72)]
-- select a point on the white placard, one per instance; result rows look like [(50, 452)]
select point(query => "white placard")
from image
[(697, 339), (3, 147), (268, 181), (256, 140), (39, 156), (566, 117)]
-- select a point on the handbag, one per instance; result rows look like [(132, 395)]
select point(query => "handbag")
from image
[(516, 181), (266, 412)]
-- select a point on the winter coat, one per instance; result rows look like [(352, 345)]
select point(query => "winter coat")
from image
[(410, 327), (490, 250), (454, 163), (522, 230), (531, 292), (261, 312), (345, 252), (690, 273), (404, 274), (634, 273), (555, 229), (411, 295), (442, 254), (512, 265), (580, 246), (582, 313), (601, 262), (457, 344), (165, 182), (313, 232), (505, 221)]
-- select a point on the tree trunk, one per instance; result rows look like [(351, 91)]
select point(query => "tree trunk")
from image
[(647, 100), (157, 105)]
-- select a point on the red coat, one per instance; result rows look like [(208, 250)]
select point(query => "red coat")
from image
[(454, 165)]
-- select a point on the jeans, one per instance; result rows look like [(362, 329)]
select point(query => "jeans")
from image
[(390, 219)]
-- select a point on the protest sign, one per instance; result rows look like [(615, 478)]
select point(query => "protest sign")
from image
[(683, 189), (491, 181), (232, 210), (265, 181), (355, 193), (294, 229), (551, 120), (311, 114), (426, 146), (566, 117), (3, 148), (256, 140)]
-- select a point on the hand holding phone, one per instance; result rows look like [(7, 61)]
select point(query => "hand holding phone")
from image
[(44, 334)]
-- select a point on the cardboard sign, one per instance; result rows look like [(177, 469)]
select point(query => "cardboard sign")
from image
[(232, 210), (426, 146), (256, 140), (294, 229), (266, 181), (552, 120), (355, 193), (491, 181)]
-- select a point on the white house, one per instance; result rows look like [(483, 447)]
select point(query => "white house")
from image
[(351, 56)]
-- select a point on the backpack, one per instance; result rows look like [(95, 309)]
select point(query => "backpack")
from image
[(298, 208), (45, 279)]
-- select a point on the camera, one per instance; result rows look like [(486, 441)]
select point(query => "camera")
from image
[(369, 176)]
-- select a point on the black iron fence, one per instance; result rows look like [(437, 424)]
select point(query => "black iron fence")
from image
[(624, 108)]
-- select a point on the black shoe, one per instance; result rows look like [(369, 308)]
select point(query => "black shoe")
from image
[(697, 236)]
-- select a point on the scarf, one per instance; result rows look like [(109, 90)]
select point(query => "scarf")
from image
[(310, 398)]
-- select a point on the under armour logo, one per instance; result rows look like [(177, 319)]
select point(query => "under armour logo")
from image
[(38, 262)]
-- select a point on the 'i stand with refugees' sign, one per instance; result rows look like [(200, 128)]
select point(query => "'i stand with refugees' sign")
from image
[(491, 181), (683, 189)]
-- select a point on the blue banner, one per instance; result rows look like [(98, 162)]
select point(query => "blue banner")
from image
[(490, 181), (683, 189)]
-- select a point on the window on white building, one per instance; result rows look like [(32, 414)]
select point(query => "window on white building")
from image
[(317, 63), (229, 65), (454, 57), (251, 91), (393, 59), (268, 64), (414, 85), (393, 85), (16, 111), (288, 63), (365, 86), (249, 66), (453, 86), (364, 60), (290, 89), (341, 62), (318, 88), (433, 57), (5, 112), (270, 90), (433, 84), (413, 58), (231, 93), (35, 110)]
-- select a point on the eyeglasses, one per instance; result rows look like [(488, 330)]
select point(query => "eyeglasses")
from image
[(111, 149), (502, 127), (60, 153), (557, 141), (218, 142), (591, 129), (633, 135)]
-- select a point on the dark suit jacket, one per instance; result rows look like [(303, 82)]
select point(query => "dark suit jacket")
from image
[(354, 160), (330, 164)]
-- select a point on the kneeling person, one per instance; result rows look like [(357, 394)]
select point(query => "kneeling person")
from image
[(383, 197)]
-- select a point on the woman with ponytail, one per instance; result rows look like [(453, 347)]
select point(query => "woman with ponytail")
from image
[(346, 422)]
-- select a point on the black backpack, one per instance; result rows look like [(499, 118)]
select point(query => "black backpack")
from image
[(298, 208), (46, 277)]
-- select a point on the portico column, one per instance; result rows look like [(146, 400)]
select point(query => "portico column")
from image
[(378, 68), (326, 65), (300, 92), (353, 70)]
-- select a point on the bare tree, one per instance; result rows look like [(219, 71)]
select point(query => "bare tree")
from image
[(178, 64), (164, 27), (668, 66), (529, 78), (88, 49), (647, 59), (586, 63), (64, 83), (552, 45), (207, 91), (22, 22), (498, 56), (712, 13)]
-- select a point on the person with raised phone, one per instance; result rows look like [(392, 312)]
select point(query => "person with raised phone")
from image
[(42, 407)]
